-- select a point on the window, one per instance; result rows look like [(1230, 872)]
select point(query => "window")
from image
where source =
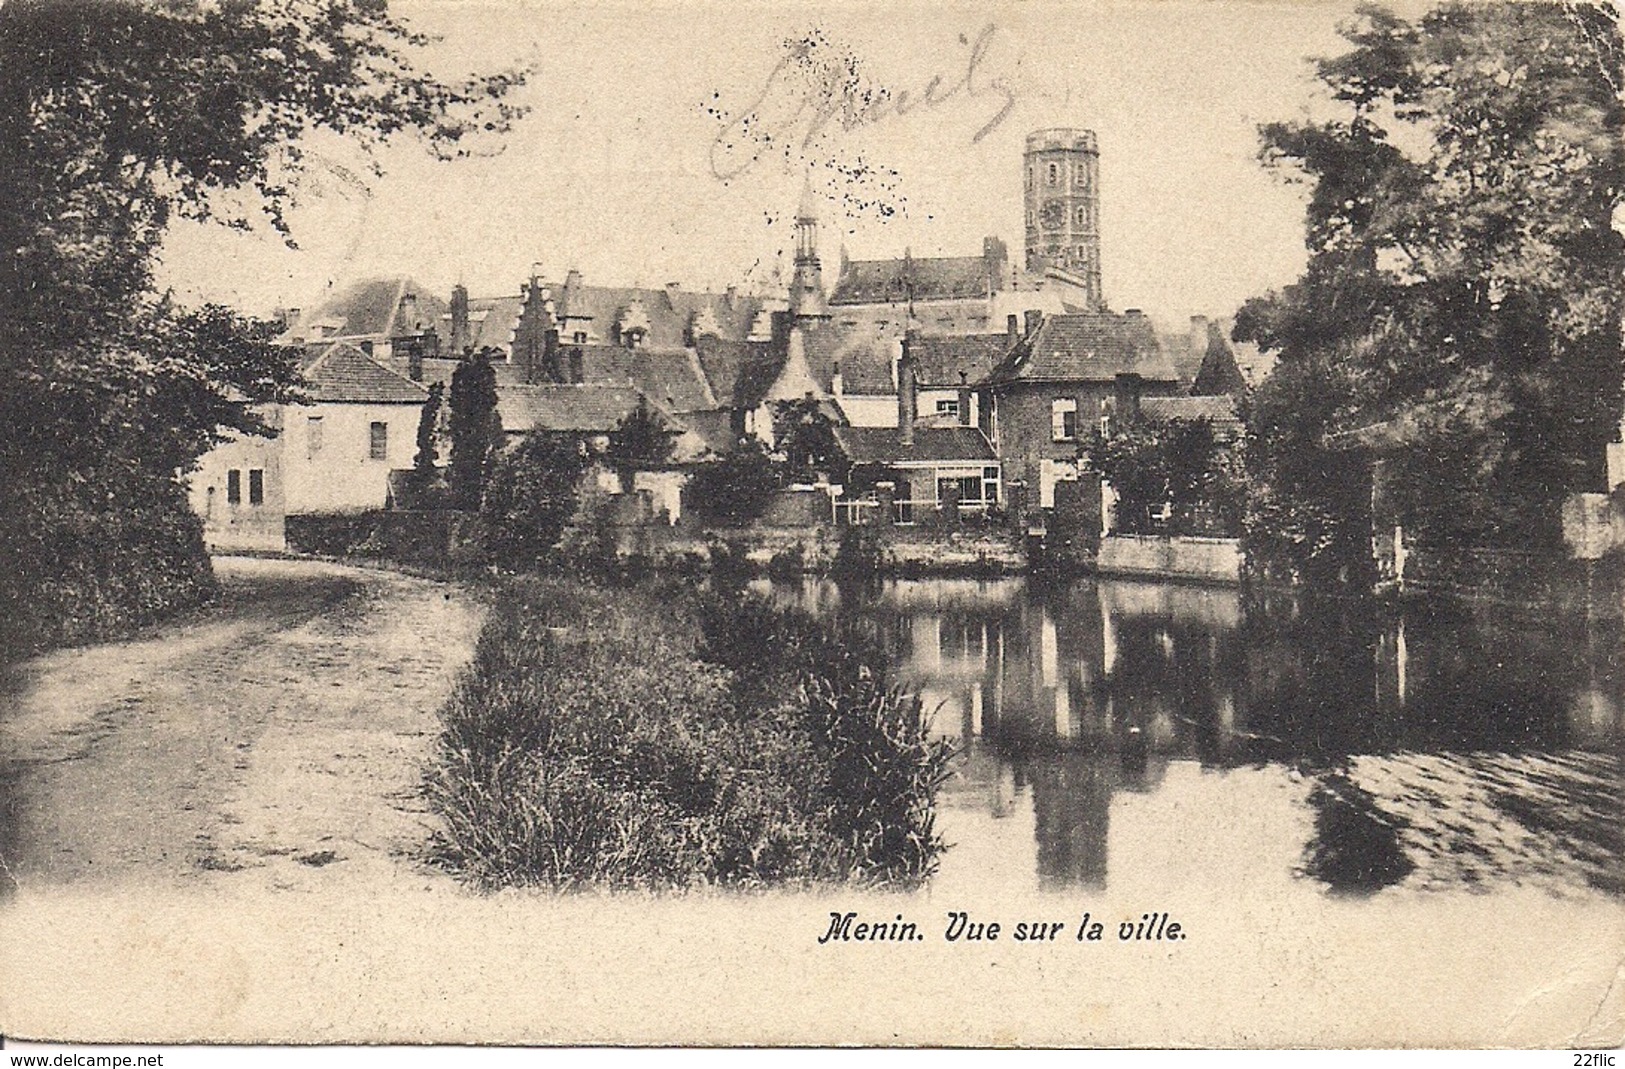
[(378, 442), (1063, 419), (313, 435), (948, 407), (1080, 175), (579, 337), (1053, 175), (990, 485), (1081, 216), (1029, 178), (256, 486), (234, 487)]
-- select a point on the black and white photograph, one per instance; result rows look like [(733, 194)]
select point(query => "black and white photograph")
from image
[(692, 524)]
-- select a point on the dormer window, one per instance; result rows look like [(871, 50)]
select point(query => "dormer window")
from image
[(632, 325)]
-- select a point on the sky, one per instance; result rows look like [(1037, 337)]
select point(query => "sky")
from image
[(632, 166)]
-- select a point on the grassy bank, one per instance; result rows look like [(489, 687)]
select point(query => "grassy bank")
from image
[(635, 738)]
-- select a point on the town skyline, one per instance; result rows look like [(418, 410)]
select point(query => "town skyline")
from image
[(630, 187)]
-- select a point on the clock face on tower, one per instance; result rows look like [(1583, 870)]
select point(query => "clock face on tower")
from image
[(1054, 215)]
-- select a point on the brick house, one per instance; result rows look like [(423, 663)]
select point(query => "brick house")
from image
[(1067, 374)]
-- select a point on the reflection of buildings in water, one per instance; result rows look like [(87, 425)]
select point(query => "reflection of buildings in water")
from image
[(1084, 692)]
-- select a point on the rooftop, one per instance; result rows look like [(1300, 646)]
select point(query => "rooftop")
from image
[(343, 374), (884, 445), (1087, 347)]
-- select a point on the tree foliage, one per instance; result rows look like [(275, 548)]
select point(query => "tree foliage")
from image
[(640, 442), (534, 492), (737, 488), (476, 429), (1462, 294), (805, 436), (424, 462), (1177, 466), (117, 117)]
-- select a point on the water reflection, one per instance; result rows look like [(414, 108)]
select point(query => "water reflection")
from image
[(1445, 746)]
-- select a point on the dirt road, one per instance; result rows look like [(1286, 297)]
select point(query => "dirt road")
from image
[(276, 739)]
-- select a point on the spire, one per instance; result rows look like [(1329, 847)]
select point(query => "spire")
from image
[(807, 283)]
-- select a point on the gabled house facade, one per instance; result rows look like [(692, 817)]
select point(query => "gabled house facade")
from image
[(1069, 373), (332, 455)]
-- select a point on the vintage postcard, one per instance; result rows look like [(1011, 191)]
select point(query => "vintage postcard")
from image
[(928, 524)]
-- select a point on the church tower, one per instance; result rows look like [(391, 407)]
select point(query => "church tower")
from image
[(1063, 206), (807, 282)]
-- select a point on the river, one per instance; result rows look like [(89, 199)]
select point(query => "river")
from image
[(1118, 734)]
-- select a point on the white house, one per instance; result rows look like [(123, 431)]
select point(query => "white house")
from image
[(332, 455)]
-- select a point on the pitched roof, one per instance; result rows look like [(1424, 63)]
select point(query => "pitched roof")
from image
[(343, 374), (865, 358), (670, 377), (740, 373), (582, 408), (1087, 347), (492, 323), (937, 278), (598, 311), (367, 308), (1185, 356), (1218, 408), (1253, 363), (883, 445), (942, 360)]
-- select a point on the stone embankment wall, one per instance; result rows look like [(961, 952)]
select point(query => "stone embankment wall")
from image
[(1211, 560)]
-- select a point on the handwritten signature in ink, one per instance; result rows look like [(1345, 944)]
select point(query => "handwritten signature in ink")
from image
[(806, 93)]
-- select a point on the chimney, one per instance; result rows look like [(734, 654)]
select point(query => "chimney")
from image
[(964, 401), (294, 327), (1134, 312), (414, 362), (407, 321), (732, 295), (1127, 386), (672, 290), (461, 336), (1198, 334), (837, 385), (1012, 328), (995, 255), (1035, 319), (907, 382), (572, 279)]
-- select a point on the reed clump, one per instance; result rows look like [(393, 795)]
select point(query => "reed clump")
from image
[(615, 737)]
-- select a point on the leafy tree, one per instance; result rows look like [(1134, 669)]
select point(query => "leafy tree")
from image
[(423, 464), (1462, 296), (476, 429), (640, 442), (116, 117), (737, 488), (1179, 464), (806, 437), (534, 492)]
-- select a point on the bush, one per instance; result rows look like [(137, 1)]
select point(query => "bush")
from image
[(601, 738), (82, 566), (788, 563), (860, 554), (736, 489)]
